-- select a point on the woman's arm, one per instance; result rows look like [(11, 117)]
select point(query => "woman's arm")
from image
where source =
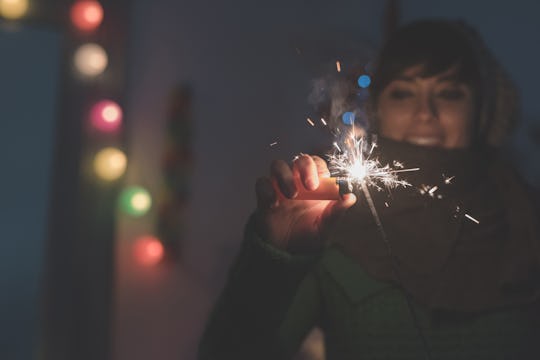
[(247, 320)]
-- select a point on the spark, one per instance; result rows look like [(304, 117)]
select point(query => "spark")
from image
[(430, 190), (448, 180), (310, 122), (323, 121), (338, 66), (373, 146), (472, 219), (354, 163), (273, 144)]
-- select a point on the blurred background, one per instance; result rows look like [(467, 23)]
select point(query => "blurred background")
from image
[(132, 133)]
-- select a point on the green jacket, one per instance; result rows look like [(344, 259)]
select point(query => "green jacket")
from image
[(272, 299)]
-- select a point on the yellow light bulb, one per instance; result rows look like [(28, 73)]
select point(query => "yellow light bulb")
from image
[(91, 59), (110, 164), (13, 9)]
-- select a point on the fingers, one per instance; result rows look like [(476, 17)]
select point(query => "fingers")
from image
[(305, 171), (283, 175), (340, 206), (347, 200), (322, 166), (306, 168)]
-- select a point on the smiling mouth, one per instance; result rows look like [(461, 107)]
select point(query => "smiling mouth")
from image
[(425, 140)]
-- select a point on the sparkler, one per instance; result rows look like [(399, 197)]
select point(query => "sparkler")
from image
[(357, 166), (353, 162), (352, 166)]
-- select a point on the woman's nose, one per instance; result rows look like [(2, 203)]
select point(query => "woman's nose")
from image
[(427, 111)]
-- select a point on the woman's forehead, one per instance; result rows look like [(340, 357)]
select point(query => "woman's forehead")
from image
[(419, 72)]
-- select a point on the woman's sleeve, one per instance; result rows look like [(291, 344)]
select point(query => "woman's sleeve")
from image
[(246, 322)]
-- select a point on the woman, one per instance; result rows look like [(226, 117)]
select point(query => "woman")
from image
[(455, 275)]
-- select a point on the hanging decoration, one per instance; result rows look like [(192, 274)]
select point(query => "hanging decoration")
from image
[(106, 115), (148, 250), (13, 9), (177, 164), (86, 15), (110, 164), (135, 201), (90, 60)]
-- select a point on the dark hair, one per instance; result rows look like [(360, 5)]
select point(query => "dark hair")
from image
[(436, 45)]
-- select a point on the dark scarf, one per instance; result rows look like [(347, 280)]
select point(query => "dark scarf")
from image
[(444, 259)]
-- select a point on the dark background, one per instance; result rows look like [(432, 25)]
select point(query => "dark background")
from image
[(250, 66)]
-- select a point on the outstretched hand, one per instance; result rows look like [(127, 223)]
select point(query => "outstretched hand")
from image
[(296, 225)]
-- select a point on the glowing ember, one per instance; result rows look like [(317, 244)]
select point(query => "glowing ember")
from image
[(338, 66)]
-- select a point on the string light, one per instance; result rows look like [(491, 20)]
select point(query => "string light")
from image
[(13, 9), (86, 15), (148, 250), (106, 115), (110, 163), (135, 200), (91, 59)]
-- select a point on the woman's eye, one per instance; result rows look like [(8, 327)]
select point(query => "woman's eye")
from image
[(451, 94), (400, 94)]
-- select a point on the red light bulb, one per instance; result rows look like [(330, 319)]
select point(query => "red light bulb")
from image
[(106, 115), (148, 250), (86, 15)]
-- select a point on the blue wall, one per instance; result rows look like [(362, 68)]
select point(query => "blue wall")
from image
[(29, 66)]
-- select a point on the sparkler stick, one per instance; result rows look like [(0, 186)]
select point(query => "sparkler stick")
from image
[(394, 267), (363, 172)]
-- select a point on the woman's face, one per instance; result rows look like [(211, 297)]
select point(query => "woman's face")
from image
[(431, 111)]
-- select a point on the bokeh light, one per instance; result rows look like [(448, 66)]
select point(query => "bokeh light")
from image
[(148, 250), (13, 9), (364, 81), (348, 118), (110, 163), (106, 115), (86, 15), (135, 200), (91, 59)]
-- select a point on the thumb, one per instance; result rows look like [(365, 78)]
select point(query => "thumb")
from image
[(340, 206)]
